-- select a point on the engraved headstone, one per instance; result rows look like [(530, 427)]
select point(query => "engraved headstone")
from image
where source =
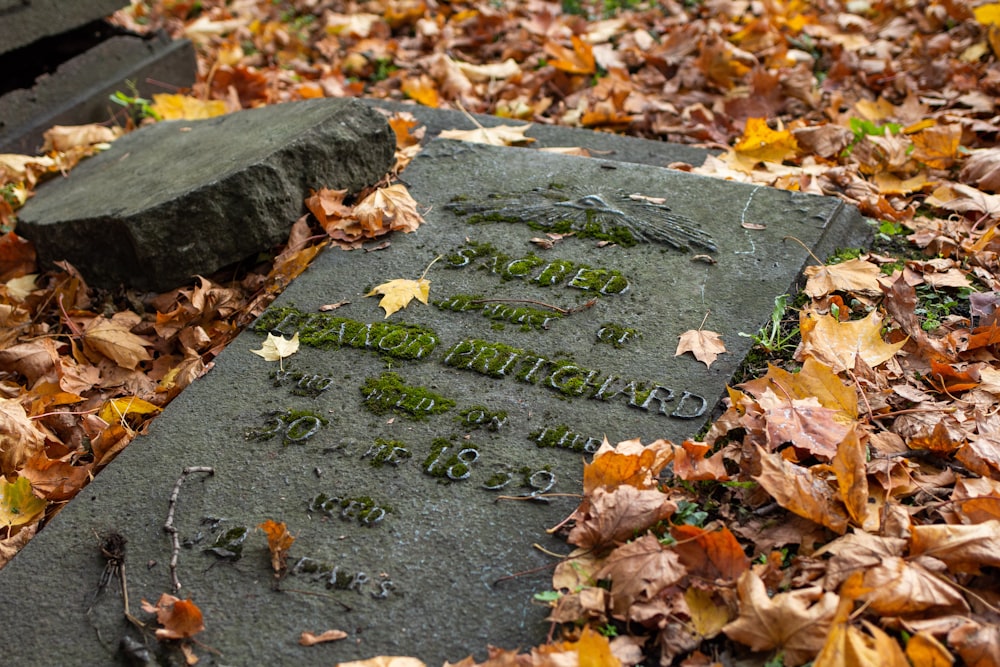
[(414, 457)]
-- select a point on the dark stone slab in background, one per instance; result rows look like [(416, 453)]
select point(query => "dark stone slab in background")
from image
[(78, 91), (602, 145), (414, 516), (181, 198), (24, 21)]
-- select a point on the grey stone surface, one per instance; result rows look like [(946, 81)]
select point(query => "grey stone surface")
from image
[(461, 562), (603, 145), (181, 198), (78, 91), (24, 21)]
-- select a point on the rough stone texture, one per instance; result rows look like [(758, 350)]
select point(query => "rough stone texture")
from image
[(181, 198), (78, 91), (445, 545), (604, 145), (24, 21)]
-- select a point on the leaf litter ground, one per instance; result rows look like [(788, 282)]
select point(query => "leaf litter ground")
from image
[(845, 509)]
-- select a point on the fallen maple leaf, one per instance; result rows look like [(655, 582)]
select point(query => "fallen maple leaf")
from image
[(117, 410), (18, 505), (64, 137), (309, 639), (706, 346), (638, 571), (796, 622), (384, 661), (838, 344), (797, 490), (578, 60), (20, 438), (328, 207), (184, 107), (180, 618), (276, 348), (388, 209), (114, 340), (398, 293), (611, 517), (852, 275), (761, 143), (279, 541), (499, 135)]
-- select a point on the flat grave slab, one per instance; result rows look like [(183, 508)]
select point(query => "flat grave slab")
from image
[(387, 444)]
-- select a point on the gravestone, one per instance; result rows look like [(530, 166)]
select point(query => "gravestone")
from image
[(415, 457)]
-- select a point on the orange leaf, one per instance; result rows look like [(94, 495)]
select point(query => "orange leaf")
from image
[(578, 60), (328, 207), (852, 480), (692, 463), (390, 208), (712, 554), (938, 146), (612, 468), (279, 541), (613, 517), (422, 89), (180, 618), (815, 379), (944, 377), (592, 650)]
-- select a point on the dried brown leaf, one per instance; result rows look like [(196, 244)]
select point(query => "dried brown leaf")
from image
[(796, 622), (706, 346)]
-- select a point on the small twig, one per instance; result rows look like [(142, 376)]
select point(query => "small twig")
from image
[(908, 411), (69, 323), (168, 525), (815, 258), (540, 496), (317, 594)]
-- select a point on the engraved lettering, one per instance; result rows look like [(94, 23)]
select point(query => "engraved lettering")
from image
[(701, 405), (657, 395)]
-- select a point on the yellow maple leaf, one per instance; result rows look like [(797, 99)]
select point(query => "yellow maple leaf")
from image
[(276, 348), (398, 293), (839, 344), (761, 143), (185, 107), (704, 345)]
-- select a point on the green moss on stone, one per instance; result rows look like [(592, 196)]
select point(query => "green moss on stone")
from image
[(389, 393)]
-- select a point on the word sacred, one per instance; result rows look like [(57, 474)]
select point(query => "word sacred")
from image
[(539, 271), (568, 378)]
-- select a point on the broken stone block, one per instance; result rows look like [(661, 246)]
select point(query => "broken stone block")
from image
[(182, 198)]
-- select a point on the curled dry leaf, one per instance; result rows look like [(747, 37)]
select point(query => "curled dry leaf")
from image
[(309, 639), (388, 209), (62, 138), (114, 340), (279, 541), (180, 619), (384, 661), (612, 517), (638, 571), (19, 437)]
